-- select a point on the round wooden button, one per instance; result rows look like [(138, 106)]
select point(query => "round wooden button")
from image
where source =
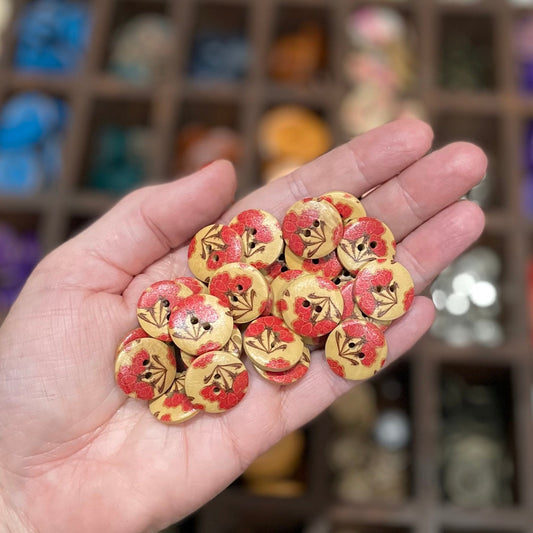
[(134, 334), (279, 285), (145, 368), (212, 247), (384, 290), (200, 324), (365, 239), (216, 382), (260, 233), (276, 268), (155, 303), (351, 309), (243, 289), (196, 286), (312, 228), (271, 345), (327, 266), (234, 345), (312, 306), (287, 377), (348, 206), (173, 407), (356, 349)]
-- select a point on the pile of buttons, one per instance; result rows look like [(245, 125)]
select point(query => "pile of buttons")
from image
[(141, 51), (32, 127), (121, 159), (379, 68), (218, 55), (325, 276), (197, 145), (290, 136), (53, 36)]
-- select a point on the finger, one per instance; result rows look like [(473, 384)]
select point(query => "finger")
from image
[(434, 245), (426, 187), (146, 225), (354, 167)]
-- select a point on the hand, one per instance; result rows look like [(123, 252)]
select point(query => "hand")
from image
[(75, 453)]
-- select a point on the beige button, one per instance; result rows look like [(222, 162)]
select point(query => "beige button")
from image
[(212, 247), (384, 290), (145, 368), (173, 407), (243, 289), (271, 345), (200, 324), (260, 233), (216, 382), (187, 358), (312, 228), (155, 303), (351, 309), (278, 286), (288, 377), (312, 306), (364, 240), (356, 349), (348, 206), (327, 266)]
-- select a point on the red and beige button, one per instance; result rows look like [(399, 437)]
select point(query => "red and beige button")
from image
[(200, 324), (384, 290), (261, 237), (243, 289), (327, 266), (312, 228), (173, 407), (212, 247), (312, 306), (133, 335), (278, 287), (271, 345), (288, 377), (365, 239), (348, 206), (216, 382), (145, 368), (356, 349)]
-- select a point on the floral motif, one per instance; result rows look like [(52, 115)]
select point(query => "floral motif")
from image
[(219, 245), (363, 240), (210, 346), (279, 363), (195, 286), (328, 266), (165, 418), (336, 367), (254, 230), (226, 386), (236, 292), (178, 399), (377, 292), (408, 299), (317, 315), (359, 343), (191, 319), (304, 232), (203, 361)]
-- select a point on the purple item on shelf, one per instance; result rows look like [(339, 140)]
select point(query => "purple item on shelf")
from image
[(527, 195)]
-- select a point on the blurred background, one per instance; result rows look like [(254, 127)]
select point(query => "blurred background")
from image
[(99, 97)]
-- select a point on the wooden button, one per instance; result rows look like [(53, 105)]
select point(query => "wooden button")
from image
[(216, 382), (155, 303), (212, 247), (200, 324), (312, 228), (351, 309), (145, 368), (234, 345), (327, 266), (278, 286), (243, 289), (287, 377), (276, 268), (173, 407), (134, 334), (195, 286), (187, 358), (271, 345), (364, 240), (348, 206), (356, 349), (312, 306), (260, 233), (384, 290)]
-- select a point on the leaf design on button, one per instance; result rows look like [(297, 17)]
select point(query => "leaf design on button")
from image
[(386, 297), (267, 341), (212, 242), (313, 237), (157, 315), (322, 308), (349, 348)]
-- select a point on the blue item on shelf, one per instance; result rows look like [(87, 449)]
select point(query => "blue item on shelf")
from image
[(20, 172), (219, 56), (52, 36), (52, 157)]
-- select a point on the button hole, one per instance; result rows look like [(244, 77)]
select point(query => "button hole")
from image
[(234, 298), (281, 257), (307, 233), (337, 281), (373, 244), (315, 261), (146, 362), (392, 288), (360, 247), (252, 245), (306, 303), (216, 390), (148, 375), (166, 303), (284, 268), (318, 308), (217, 376), (378, 288), (272, 344), (253, 231), (346, 273), (216, 258), (194, 320), (240, 287), (207, 327), (361, 355), (316, 223), (351, 345)]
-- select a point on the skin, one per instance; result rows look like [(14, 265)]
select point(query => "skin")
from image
[(75, 453)]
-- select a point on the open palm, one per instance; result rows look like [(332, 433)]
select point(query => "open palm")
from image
[(75, 453)]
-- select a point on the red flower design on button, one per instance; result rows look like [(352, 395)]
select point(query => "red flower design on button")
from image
[(178, 400), (227, 399), (253, 219), (279, 363), (129, 377), (365, 288), (408, 298), (336, 367)]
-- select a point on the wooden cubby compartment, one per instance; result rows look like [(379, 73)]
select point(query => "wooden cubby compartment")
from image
[(494, 116)]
